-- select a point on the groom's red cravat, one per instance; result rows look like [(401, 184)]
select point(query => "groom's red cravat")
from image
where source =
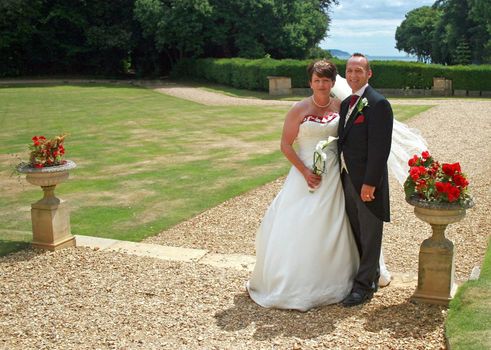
[(353, 100)]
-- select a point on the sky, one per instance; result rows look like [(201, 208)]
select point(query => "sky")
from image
[(368, 26)]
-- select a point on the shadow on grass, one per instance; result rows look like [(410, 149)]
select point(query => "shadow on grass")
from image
[(7, 246), (13, 241), (272, 323)]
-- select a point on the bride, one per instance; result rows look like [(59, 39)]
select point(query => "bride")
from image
[(306, 255)]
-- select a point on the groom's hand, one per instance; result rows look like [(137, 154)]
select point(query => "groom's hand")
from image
[(367, 193)]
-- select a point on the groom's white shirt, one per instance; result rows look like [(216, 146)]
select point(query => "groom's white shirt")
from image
[(359, 93)]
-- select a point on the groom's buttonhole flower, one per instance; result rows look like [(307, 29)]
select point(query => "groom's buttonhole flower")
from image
[(430, 181), (47, 152), (362, 103)]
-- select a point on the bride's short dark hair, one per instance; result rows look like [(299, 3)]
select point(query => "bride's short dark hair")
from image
[(322, 68)]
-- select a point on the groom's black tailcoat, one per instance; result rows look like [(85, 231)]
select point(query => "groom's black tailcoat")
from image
[(365, 143), (366, 147)]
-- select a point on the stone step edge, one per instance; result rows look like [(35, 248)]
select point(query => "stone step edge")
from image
[(192, 255)]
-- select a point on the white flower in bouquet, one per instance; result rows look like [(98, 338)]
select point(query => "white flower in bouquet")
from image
[(320, 157)]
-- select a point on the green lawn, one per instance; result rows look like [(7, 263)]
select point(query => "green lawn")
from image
[(145, 160), (468, 325)]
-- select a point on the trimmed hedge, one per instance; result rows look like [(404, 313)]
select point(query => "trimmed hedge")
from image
[(252, 74)]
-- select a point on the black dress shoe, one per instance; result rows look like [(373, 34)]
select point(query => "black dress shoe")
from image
[(357, 298)]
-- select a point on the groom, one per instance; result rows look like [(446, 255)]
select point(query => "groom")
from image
[(365, 134)]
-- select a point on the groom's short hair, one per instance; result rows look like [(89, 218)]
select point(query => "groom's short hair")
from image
[(357, 54), (322, 68)]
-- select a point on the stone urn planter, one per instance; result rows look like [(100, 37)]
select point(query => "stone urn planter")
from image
[(50, 215), (436, 271)]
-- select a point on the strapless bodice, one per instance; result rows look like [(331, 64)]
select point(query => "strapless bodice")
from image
[(314, 129)]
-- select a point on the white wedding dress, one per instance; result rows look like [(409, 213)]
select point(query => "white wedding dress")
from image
[(306, 255)]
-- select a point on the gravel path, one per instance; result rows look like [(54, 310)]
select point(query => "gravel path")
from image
[(80, 298), (211, 98), (456, 130)]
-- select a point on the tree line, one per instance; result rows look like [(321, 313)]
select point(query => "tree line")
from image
[(149, 36), (449, 32)]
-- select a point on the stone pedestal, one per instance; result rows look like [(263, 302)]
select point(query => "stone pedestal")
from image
[(51, 222), (50, 216), (436, 271), (441, 87), (280, 85)]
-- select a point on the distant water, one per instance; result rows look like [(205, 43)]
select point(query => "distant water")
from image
[(385, 58), (393, 58)]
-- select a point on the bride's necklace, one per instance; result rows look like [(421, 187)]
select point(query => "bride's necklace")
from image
[(321, 106)]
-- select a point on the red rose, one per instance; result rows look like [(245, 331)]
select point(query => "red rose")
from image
[(413, 160), (426, 154), (453, 193), (38, 165), (440, 187), (414, 173), (456, 167), (460, 180), (450, 169)]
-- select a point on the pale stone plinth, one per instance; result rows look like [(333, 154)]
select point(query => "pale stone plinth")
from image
[(441, 87), (436, 271), (51, 224), (280, 85), (50, 216)]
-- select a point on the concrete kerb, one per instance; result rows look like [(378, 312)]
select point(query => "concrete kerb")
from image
[(157, 251), (200, 256)]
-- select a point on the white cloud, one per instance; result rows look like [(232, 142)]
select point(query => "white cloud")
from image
[(368, 27)]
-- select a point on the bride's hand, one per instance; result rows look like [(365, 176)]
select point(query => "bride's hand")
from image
[(312, 179)]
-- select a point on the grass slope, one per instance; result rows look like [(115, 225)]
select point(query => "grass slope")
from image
[(145, 161)]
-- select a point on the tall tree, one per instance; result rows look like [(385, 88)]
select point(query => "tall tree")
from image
[(413, 33), (80, 36), (254, 28), (244, 28), (480, 12), (57, 36), (452, 32), (18, 27)]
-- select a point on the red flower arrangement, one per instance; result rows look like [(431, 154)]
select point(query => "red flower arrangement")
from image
[(46, 153), (430, 181)]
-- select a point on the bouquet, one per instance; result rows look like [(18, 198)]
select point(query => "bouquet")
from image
[(431, 181), (320, 157), (45, 152)]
